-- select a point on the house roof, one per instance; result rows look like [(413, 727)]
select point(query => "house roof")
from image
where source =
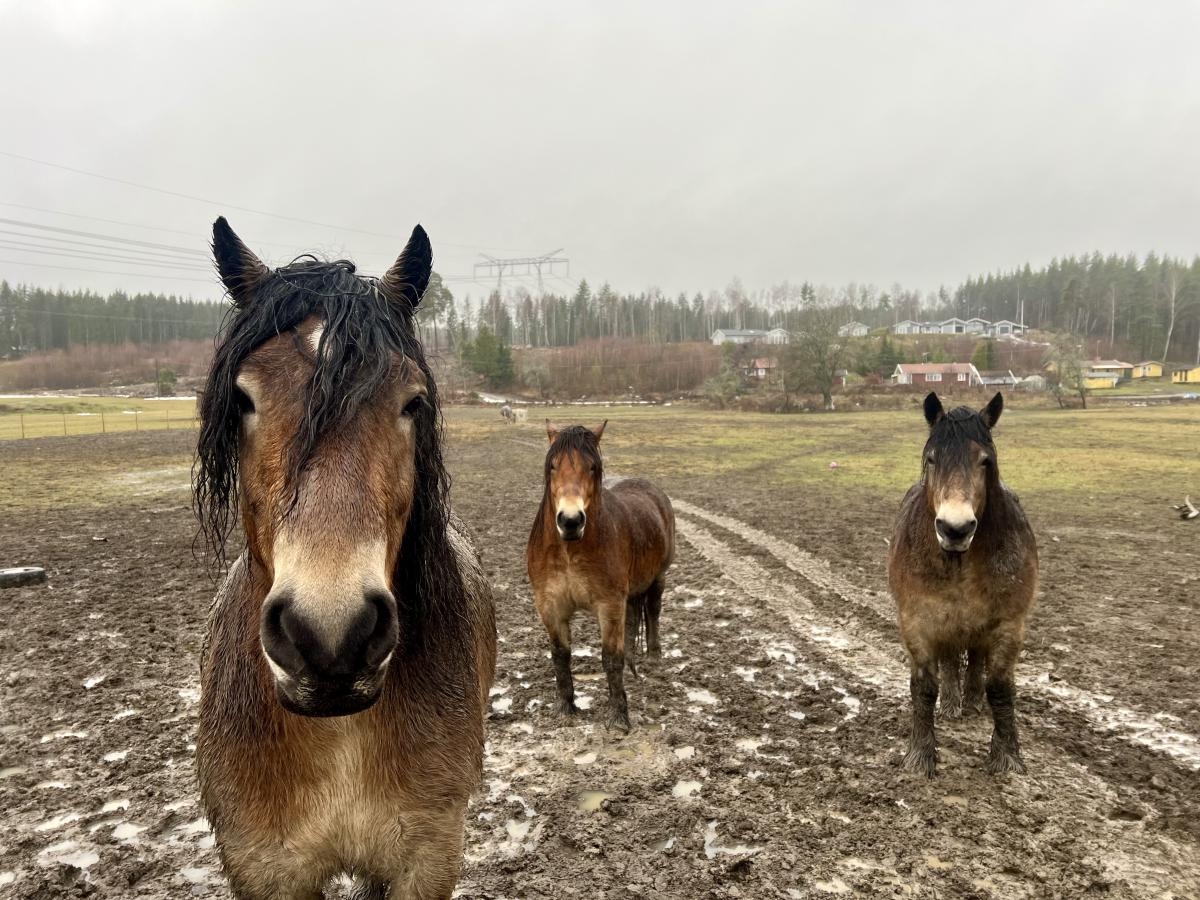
[(1109, 364), (764, 362), (743, 332), (931, 368), (1151, 362), (949, 320)]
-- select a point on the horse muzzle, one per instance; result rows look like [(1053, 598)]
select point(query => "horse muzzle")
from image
[(571, 525), (956, 537), (326, 669)]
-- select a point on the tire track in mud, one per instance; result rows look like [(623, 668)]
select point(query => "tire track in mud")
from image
[(1157, 865), (1099, 710)]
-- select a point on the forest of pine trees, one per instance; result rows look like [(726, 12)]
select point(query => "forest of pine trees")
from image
[(1151, 305)]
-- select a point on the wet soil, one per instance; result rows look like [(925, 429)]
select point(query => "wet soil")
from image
[(765, 755)]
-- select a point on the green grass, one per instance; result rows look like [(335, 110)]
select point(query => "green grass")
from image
[(1096, 452), (32, 417), (1076, 457)]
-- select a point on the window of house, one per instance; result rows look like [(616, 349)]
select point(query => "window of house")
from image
[(962, 376), (934, 376)]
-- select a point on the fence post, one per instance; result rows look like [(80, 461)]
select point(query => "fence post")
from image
[(22, 426), (103, 428), (64, 418), (168, 420), (135, 421)]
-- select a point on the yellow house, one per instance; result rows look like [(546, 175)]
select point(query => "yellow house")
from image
[(1148, 369), (1186, 376), (1096, 381)]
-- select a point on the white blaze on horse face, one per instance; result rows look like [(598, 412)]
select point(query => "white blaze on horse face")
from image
[(328, 583)]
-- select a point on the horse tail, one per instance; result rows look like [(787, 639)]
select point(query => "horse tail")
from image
[(640, 623)]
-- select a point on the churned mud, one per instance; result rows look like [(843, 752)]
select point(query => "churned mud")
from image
[(765, 755)]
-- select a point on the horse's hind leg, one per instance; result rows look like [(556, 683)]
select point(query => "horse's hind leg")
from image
[(611, 614), (634, 615), (654, 596), (922, 745), (950, 677), (973, 695), (1004, 755)]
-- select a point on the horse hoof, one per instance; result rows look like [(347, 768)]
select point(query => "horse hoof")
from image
[(1001, 762), (950, 711), (923, 762), (654, 652), (567, 708), (619, 721)]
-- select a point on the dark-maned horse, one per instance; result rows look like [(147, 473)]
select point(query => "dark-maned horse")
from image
[(963, 568), (349, 653), (600, 549)]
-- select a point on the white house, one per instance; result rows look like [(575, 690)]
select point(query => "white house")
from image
[(853, 329), (1005, 327), (953, 325), (977, 325), (749, 336), (908, 326)]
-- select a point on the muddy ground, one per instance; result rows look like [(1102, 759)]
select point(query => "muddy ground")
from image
[(765, 757)]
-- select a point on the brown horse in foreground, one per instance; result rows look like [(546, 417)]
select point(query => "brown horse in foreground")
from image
[(963, 568), (349, 653), (599, 549)]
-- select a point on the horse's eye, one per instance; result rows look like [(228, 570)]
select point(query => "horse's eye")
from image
[(985, 461), (929, 458), (415, 405), (242, 401)]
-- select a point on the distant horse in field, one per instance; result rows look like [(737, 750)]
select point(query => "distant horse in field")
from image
[(963, 568), (506, 413), (599, 549), (349, 653)]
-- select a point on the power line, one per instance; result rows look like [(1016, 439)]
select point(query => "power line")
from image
[(14, 262), (224, 205), (103, 257), (191, 251), (166, 254)]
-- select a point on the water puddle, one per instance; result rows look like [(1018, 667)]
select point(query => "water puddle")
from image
[(750, 745), (701, 695), (591, 801), (685, 752), (685, 789), (68, 853), (715, 846), (585, 759), (115, 755)]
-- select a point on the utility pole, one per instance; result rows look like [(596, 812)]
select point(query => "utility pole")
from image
[(523, 265)]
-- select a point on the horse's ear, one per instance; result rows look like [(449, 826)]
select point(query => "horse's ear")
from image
[(991, 412), (406, 280), (241, 271), (551, 431), (933, 408), (599, 432)]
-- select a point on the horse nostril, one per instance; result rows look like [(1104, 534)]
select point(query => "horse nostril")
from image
[(282, 634), (384, 628), (955, 533)]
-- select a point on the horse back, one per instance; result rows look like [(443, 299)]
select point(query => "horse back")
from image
[(643, 513)]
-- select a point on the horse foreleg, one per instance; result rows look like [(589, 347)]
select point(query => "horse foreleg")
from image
[(1004, 755), (558, 626), (922, 746), (611, 614), (973, 692), (633, 618), (950, 678)]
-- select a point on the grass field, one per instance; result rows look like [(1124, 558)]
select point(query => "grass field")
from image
[(33, 417)]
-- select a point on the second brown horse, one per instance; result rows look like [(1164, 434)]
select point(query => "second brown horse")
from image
[(602, 549)]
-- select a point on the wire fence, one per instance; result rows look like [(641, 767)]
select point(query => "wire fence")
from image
[(23, 425)]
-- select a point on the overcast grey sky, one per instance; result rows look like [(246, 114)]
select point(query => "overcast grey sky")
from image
[(668, 144)]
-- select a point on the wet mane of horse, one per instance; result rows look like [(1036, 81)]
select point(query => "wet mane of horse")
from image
[(573, 439), (952, 436), (363, 329)]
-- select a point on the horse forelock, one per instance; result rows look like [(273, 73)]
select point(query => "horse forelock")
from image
[(362, 332), (952, 437), (575, 439)]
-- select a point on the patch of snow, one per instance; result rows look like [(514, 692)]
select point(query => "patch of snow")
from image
[(93, 681), (114, 805), (685, 752), (701, 695), (684, 789), (115, 755), (58, 821)]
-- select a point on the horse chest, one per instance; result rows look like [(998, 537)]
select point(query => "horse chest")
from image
[(346, 812)]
